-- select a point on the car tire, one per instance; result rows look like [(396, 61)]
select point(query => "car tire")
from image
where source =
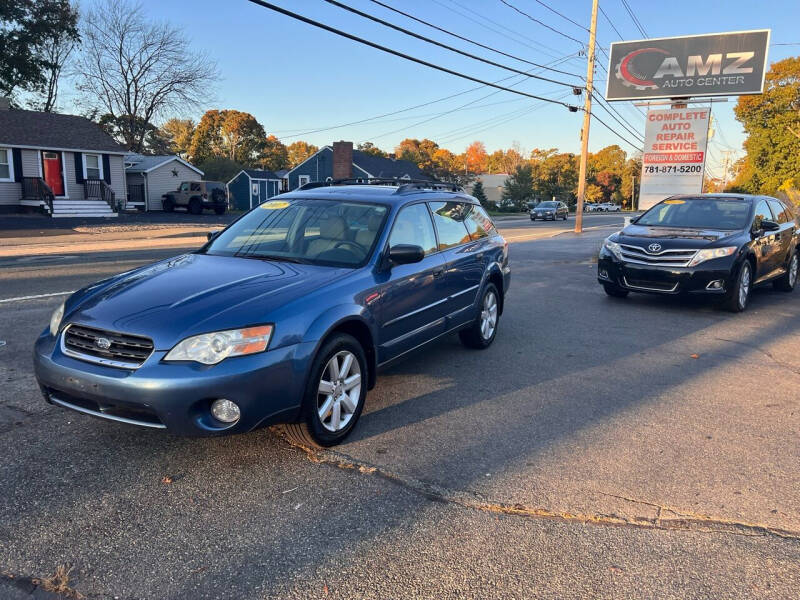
[(739, 295), (788, 280), (168, 205), (317, 428), (483, 330), (533, 218), (219, 210), (615, 291), (195, 206)]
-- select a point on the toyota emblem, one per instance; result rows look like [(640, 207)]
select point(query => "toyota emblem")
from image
[(103, 343), (653, 248)]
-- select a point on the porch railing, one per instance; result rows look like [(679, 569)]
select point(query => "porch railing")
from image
[(98, 188), (35, 188), (136, 195)]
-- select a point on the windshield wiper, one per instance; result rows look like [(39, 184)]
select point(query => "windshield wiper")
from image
[(275, 257)]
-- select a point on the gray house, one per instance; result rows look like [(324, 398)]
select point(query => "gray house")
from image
[(63, 165), (150, 177), (340, 161)]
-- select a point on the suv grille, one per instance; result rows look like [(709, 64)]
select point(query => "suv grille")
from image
[(665, 258), (106, 347)]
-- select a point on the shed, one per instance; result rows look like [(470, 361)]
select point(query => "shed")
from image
[(150, 177), (251, 187)]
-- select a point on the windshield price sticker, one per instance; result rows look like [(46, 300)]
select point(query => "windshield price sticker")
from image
[(674, 154), (275, 205)]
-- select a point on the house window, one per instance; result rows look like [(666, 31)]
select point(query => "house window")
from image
[(92, 166), (6, 165), (303, 179)]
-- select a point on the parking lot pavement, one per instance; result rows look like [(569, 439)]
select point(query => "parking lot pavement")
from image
[(644, 447)]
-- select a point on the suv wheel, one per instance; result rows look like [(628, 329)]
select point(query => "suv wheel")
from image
[(788, 280), (483, 330), (195, 206), (740, 292), (335, 394), (168, 205)]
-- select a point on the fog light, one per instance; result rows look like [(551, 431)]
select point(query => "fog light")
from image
[(225, 411), (714, 285), (603, 274)]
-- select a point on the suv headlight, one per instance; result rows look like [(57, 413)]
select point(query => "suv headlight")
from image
[(55, 320), (709, 253), (613, 247), (211, 348)]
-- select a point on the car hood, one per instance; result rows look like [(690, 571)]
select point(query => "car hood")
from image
[(544, 209), (194, 293), (669, 237)]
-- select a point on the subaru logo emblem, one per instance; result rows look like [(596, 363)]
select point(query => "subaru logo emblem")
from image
[(654, 248), (103, 343)]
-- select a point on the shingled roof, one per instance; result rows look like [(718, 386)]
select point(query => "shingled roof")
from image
[(53, 131), (379, 166)]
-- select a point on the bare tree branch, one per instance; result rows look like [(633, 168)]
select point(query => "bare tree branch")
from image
[(138, 71)]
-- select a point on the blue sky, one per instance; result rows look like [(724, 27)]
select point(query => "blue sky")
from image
[(295, 78)]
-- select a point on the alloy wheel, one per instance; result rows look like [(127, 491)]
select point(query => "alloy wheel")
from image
[(793, 264), (489, 315), (339, 391), (744, 285)]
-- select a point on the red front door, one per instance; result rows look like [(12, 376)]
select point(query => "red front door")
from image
[(53, 174)]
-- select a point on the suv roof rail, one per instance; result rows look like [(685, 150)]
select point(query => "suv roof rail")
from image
[(403, 185)]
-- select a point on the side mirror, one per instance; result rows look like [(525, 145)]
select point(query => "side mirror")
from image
[(769, 225), (212, 234), (404, 254)]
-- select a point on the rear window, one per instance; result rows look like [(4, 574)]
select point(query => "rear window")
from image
[(214, 185), (698, 213)]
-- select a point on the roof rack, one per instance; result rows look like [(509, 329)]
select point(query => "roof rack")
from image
[(403, 185)]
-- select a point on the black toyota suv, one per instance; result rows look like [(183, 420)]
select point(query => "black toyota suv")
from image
[(716, 244)]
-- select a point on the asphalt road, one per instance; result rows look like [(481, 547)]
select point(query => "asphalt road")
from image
[(601, 448)]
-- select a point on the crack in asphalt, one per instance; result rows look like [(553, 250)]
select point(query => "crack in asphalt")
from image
[(667, 518)]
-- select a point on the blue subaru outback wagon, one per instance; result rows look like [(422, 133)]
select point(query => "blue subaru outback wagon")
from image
[(283, 317)]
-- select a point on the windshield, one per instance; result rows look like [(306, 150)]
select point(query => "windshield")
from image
[(547, 205), (321, 232), (698, 213)]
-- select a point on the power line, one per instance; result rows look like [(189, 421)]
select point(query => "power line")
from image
[(610, 22), (399, 54), (402, 110), (615, 132), (465, 39), (634, 19), (535, 20), (484, 19), (627, 126), (563, 16), (441, 45)]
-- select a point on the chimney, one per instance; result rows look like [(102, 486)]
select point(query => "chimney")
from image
[(5, 103), (342, 160)]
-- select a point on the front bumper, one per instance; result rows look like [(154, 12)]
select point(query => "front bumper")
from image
[(268, 387), (713, 277)]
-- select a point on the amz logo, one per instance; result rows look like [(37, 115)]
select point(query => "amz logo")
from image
[(641, 68)]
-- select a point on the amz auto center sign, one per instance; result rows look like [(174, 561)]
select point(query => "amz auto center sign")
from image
[(674, 154), (717, 64)]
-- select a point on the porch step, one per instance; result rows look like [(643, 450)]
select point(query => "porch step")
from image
[(82, 208)]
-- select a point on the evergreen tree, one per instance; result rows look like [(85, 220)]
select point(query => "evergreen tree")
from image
[(479, 193)]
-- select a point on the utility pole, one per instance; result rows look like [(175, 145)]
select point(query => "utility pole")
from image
[(587, 118), (725, 167), (633, 191)]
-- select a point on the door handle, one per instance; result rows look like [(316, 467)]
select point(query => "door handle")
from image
[(438, 272)]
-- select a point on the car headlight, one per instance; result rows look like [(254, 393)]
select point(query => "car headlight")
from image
[(613, 247), (709, 253), (55, 320), (211, 348)]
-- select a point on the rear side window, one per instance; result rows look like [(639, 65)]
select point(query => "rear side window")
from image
[(779, 210), (413, 226), (195, 187), (478, 223), (762, 214), (449, 220)]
